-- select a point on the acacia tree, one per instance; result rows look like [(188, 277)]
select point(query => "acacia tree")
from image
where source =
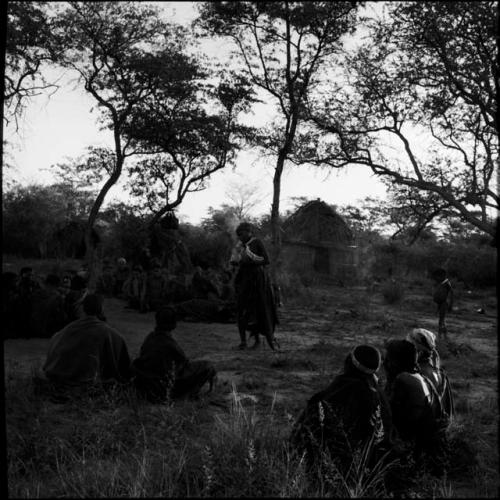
[(182, 143), (281, 47), (429, 69), (122, 53), (27, 51)]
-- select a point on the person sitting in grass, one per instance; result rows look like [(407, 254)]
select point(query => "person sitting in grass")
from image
[(87, 351), (443, 297), (350, 415), (430, 366), (163, 370), (415, 406)]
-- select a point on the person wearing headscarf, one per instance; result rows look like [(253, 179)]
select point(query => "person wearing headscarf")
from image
[(415, 405), (350, 414), (255, 299), (430, 366)]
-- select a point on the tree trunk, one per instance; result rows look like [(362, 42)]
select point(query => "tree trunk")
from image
[(275, 217)]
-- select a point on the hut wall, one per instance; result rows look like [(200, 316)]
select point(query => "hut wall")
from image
[(339, 262)]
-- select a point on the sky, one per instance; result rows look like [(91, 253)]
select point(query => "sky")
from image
[(61, 127)]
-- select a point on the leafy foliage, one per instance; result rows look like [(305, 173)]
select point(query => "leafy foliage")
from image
[(429, 68)]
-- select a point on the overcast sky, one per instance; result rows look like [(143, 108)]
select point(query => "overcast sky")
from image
[(61, 127)]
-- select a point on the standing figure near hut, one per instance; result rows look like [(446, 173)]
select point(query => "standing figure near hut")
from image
[(155, 294), (254, 294), (443, 297)]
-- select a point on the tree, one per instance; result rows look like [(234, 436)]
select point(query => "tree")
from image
[(122, 53), (428, 71), (282, 48), (26, 52), (182, 144), (243, 196)]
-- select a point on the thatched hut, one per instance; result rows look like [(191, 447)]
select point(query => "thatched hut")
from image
[(317, 240)]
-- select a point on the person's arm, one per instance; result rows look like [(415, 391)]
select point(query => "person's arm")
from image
[(257, 248), (450, 298)]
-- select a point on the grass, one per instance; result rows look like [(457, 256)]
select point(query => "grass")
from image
[(113, 445)]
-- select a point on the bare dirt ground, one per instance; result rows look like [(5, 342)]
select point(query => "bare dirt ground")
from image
[(316, 332)]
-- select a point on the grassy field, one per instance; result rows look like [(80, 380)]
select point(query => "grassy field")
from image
[(233, 442)]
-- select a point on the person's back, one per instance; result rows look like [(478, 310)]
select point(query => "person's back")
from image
[(346, 415), (415, 406), (87, 350), (430, 366), (162, 369)]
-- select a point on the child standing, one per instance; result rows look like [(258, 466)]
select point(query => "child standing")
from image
[(443, 297)]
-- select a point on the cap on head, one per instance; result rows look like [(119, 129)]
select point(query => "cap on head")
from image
[(366, 358), (423, 340)]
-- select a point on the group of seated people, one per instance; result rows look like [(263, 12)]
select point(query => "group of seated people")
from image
[(34, 308), (88, 353), (404, 422)]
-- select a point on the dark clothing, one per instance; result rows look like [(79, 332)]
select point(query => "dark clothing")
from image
[(443, 298), (106, 283), (416, 416), (155, 292), (73, 304), (439, 378), (163, 370), (47, 313), (134, 291), (85, 352), (344, 417), (23, 305), (254, 294), (204, 310), (120, 276)]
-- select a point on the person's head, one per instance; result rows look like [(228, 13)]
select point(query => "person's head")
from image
[(166, 318), (93, 305), (78, 283), (363, 359), (121, 262), (439, 274), (400, 356), (52, 281), (424, 340), (244, 231)]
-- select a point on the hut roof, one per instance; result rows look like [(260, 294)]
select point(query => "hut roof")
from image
[(317, 223)]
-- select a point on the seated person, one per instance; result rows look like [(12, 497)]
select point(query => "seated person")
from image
[(162, 369), (415, 406), (134, 289), (47, 312), (347, 415), (430, 366), (87, 351)]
